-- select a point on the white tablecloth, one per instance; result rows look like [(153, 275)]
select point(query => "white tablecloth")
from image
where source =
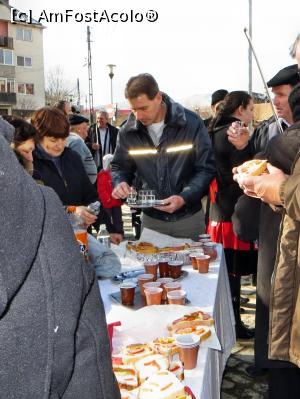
[(211, 292)]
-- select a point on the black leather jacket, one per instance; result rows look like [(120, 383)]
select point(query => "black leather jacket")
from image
[(186, 173)]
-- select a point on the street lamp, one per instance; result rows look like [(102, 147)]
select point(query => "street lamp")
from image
[(111, 75)]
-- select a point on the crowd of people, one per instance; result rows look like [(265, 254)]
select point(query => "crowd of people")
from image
[(169, 149)]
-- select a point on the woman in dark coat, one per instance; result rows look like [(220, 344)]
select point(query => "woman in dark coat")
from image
[(53, 337), (241, 257)]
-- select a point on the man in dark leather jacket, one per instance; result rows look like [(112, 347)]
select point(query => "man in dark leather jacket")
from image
[(168, 146)]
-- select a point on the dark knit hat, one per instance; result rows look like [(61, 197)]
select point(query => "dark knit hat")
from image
[(286, 76), (218, 95), (294, 102), (77, 119)]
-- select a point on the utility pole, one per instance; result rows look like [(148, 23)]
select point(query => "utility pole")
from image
[(250, 50), (91, 105), (78, 93)]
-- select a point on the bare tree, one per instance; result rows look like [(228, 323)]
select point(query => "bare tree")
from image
[(57, 86), (26, 104)]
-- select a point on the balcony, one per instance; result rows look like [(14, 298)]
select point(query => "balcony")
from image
[(7, 42), (8, 98)]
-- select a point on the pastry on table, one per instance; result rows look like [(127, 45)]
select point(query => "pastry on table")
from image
[(165, 346), (198, 318), (134, 352), (162, 385), (126, 376), (203, 331), (150, 365)]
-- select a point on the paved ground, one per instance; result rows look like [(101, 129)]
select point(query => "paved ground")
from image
[(236, 384)]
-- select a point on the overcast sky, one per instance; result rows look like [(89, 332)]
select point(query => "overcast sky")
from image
[(194, 47)]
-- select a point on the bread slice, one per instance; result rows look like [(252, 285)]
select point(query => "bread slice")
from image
[(203, 331), (165, 346), (255, 167), (162, 385), (150, 365), (126, 376), (133, 353), (194, 319)]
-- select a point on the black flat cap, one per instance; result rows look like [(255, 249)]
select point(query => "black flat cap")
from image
[(77, 119), (218, 95), (286, 76)]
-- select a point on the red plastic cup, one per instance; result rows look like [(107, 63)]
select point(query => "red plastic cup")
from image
[(203, 263), (175, 267), (153, 295), (151, 268), (142, 279), (176, 297)]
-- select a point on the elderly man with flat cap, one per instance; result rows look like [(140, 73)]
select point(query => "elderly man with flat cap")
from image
[(281, 85), (75, 141)]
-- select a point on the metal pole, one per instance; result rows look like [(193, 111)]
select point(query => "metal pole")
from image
[(78, 93), (249, 51), (91, 105), (111, 90), (264, 81)]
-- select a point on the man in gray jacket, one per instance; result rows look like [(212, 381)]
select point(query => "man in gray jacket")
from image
[(53, 336), (75, 141)]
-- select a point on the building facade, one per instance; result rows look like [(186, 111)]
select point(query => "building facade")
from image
[(22, 84)]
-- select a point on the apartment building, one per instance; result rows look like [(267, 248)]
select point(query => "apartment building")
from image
[(22, 85)]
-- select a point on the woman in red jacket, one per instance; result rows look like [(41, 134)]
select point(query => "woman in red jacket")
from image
[(104, 187)]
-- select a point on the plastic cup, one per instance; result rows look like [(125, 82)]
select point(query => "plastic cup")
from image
[(176, 297), (163, 268), (193, 259), (209, 248), (188, 350), (142, 279), (172, 287), (163, 281), (203, 263), (127, 293), (175, 267), (151, 268), (153, 295), (152, 284)]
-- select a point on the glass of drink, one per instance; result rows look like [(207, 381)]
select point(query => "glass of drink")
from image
[(151, 196), (127, 293), (131, 198), (188, 350)]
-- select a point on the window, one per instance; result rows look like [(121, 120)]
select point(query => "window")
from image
[(2, 85), (7, 85), (26, 88), (24, 34), (10, 85), (29, 88), (24, 61), (6, 57), (21, 88)]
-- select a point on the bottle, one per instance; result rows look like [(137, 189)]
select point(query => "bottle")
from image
[(103, 236), (80, 232)]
